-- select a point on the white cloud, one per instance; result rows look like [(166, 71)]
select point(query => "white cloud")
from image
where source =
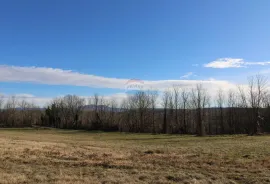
[(24, 95), (51, 76), (187, 75), (225, 63), (258, 63), (233, 63)]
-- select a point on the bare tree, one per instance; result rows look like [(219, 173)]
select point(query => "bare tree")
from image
[(153, 100), (165, 104), (176, 104), (199, 100), (23, 105), (252, 101), (170, 118), (231, 104), (67, 110), (1, 101), (75, 105), (97, 101), (1, 110), (10, 107), (266, 100), (184, 106), (125, 116), (220, 103), (257, 92), (112, 113), (140, 102)]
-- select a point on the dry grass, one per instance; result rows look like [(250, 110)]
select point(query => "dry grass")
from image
[(57, 156)]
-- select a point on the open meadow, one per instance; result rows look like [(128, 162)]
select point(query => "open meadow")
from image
[(65, 156)]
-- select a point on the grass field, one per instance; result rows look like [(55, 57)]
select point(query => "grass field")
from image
[(58, 156)]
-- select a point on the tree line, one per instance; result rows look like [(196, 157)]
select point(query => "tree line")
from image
[(245, 110)]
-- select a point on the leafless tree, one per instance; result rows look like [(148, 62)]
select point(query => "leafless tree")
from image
[(266, 100), (199, 100), (176, 104), (97, 102), (184, 105), (125, 116), (1, 110), (153, 100), (10, 107), (231, 115), (70, 107), (140, 102), (220, 103), (112, 112), (165, 104), (1, 101), (257, 92), (171, 117), (251, 100), (24, 107)]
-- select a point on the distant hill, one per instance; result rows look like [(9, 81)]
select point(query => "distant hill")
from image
[(35, 108), (101, 107)]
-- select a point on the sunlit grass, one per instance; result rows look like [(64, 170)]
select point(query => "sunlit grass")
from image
[(68, 156)]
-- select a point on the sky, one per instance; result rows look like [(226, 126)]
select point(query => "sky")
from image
[(53, 48)]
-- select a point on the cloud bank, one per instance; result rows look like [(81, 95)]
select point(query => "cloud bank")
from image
[(233, 63), (52, 76)]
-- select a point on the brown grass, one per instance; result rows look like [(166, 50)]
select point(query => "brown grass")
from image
[(57, 156)]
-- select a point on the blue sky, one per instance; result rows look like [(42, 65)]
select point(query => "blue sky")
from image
[(51, 48)]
